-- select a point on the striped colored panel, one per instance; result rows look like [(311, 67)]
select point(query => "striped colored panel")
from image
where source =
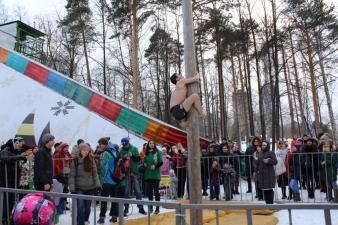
[(78, 93), (17, 62), (104, 107), (133, 121), (3, 55), (156, 132), (37, 72), (56, 82), (26, 129), (173, 136)]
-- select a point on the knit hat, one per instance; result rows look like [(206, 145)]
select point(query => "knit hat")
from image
[(18, 138), (47, 138), (212, 146), (61, 146), (104, 140), (325, 137)]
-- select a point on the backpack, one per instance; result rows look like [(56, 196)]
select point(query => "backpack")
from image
[(119, 169), (35, 209)]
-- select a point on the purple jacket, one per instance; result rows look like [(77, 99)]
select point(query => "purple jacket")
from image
[(166, 164)]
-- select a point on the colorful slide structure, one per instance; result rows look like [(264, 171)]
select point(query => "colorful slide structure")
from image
[(37, 99)]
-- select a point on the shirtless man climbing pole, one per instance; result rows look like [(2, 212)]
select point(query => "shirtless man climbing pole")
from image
[(180, 105)]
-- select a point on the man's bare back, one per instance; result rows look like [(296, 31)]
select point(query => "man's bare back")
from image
[(179, 94), (180, 104)]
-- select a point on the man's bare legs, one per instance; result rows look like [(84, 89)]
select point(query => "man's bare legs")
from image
[(194, 100)]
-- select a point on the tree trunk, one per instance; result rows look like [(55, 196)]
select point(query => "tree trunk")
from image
[(276, 64), (166, 85), (206, 94), (89, 79), (178, 46), (134, 52), (313, 82), (271, 80), (326, 88), (249, 91), (293, 128), (243, 98), (246, 66), (104, 46), (220, 82), (295, 103), (234, 97), (193, 133), (214, 113), (298, 87), (260, 96), (158, 81)]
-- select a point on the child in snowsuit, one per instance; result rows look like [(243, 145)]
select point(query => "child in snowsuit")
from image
[(173, 184), (228, 175)]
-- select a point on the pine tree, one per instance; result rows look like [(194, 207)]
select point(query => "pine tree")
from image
[(78, 21)]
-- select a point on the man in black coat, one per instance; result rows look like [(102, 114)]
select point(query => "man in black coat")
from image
[(43, 164), (10, 156), (204, 169)]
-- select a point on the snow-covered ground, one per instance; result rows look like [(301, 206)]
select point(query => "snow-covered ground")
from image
[(305, 217), (299, 217)]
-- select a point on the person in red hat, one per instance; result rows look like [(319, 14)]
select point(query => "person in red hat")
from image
[(62, 160)]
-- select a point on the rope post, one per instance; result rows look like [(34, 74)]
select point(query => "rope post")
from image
[(1, 206), (74, 210), (217, 217), (327, 215), (120, 205), (178, 215), (249, 217), (193, 133), (290, 217)]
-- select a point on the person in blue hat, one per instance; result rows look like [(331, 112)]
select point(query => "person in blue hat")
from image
[(131, 158)]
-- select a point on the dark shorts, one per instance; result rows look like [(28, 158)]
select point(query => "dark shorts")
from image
[(178, 112)]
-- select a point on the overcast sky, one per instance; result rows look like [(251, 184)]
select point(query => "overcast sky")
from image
[(51, 8)]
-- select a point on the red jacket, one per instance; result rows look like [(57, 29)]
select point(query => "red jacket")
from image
[(180, 160), (61, 159)]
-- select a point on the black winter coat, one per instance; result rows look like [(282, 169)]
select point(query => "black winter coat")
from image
[(310, 161), (249, 161), (10, 157), (237, 161), (226, 158), (205, 166), (295, 165), (266, 177), (43, 167)]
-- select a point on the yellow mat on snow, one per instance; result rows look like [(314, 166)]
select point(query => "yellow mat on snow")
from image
[(254, 212), (226, 217), (209, 218)]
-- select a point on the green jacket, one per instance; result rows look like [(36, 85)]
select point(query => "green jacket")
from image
[(328, 170), (134, 155), (149, 160)]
